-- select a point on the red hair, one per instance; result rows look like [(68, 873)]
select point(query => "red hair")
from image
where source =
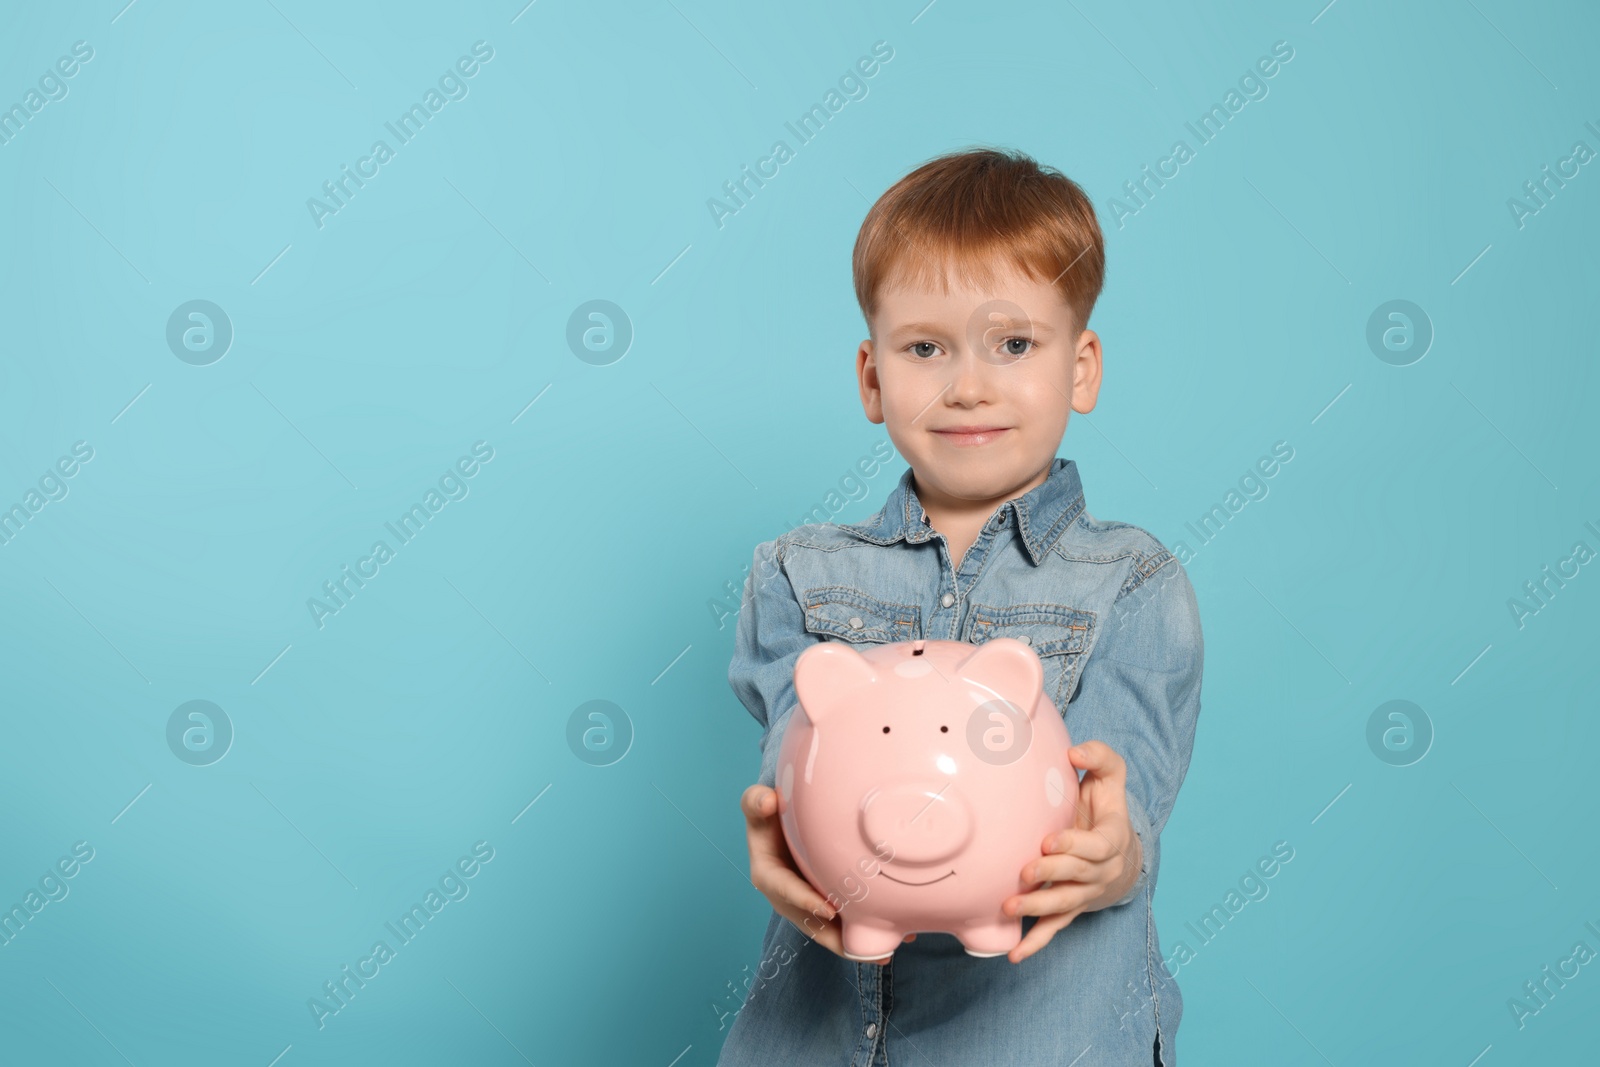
[(974, 210)]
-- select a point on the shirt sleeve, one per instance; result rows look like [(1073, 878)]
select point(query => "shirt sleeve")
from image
[(1140, 694), (769, 637)]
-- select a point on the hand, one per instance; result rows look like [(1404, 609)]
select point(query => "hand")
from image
[(1089, 866), (773, 872)]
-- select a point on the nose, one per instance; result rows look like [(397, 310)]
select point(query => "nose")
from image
[(920, 822), (966, 385)]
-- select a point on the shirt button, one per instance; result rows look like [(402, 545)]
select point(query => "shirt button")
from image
[(872, 1030), (1026, 639), (947, 599), (856, 623)]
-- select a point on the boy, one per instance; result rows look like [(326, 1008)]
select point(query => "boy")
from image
[(976, 274)]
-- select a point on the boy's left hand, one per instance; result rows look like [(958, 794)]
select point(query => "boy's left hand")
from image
[(1092, 864)]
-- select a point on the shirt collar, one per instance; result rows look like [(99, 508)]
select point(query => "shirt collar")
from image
[(1042, 513)]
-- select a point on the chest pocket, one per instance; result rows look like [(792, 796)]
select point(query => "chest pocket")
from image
[(1059, 635), (838, 611)]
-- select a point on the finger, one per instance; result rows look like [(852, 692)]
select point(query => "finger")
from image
[(1039, 936), (781, 885), (768, 849), (1098, 758), (1129, 853), (1061, 869), (1083, 809), (1085, 844), (762, 828), (767, 839), (758, 803), (773, 873), (1103, 793), (1058, 898), (828, 934)]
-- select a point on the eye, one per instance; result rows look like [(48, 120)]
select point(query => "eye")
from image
[(885, 729), (916, 347), (944, 729), (1007, 349)]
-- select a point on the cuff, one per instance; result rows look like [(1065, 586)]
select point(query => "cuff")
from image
[(1141, 827), (771, 742)]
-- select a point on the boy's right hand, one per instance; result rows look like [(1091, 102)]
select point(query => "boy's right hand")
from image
[(773, 872)]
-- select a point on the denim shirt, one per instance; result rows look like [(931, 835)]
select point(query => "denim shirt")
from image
[(1113, 618)]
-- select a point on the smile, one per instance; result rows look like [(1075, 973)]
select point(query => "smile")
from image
[(980, 437), (892, 878)]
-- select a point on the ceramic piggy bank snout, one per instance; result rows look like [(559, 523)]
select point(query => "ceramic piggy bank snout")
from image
[(925, 823), (916, 780)]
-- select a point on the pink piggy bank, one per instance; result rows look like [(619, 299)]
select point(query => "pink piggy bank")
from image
[(920, 780)]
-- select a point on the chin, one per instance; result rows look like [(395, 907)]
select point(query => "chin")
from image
[(977, 481)]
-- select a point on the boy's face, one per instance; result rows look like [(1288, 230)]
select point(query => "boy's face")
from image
[(1010, 362)]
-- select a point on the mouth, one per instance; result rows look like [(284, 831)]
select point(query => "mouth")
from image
[(902, 881), (972, 435)]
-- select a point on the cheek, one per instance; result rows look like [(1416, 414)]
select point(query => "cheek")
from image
[(909, 395), (1045, 399)]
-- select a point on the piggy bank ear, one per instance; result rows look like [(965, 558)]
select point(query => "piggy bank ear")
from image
[(828, 676), (1006, 668)]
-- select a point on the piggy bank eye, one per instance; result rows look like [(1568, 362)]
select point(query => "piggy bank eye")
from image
[(944, 729), (885, 729)]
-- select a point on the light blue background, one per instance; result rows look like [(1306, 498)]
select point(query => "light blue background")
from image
[(615, 919)]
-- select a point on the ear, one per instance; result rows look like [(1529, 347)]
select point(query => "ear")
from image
[(1008, 669), (827, 676), (867, 379), (1086, 370)]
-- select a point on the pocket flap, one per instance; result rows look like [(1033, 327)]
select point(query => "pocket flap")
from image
[(1051, 629), (852, 615)]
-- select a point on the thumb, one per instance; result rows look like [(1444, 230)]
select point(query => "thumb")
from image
[(757, 805)]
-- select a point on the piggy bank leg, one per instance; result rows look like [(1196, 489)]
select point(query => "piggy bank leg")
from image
[(863, 941), (993, 939)]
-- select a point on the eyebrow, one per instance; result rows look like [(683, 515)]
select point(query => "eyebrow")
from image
[(1039, 329)]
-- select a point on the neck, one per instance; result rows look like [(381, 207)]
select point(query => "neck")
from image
[(947, 514)]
